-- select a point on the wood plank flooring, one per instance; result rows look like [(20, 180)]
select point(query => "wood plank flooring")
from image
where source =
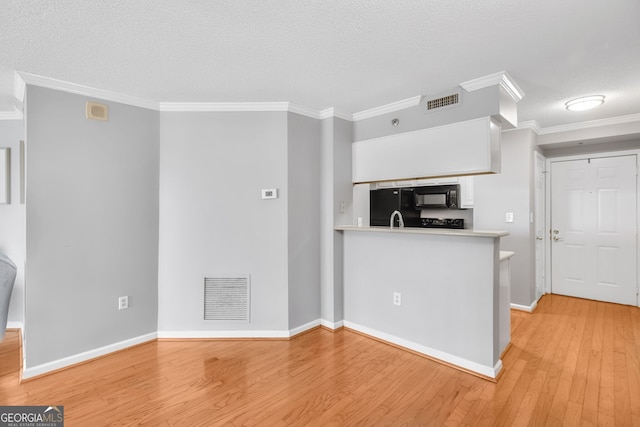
[(572, 362)]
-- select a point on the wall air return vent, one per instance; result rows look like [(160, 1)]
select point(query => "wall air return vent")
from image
[(442, 101), (226, 298), (97, 111)]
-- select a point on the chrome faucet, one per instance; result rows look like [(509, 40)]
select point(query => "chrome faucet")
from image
[(400, 220)]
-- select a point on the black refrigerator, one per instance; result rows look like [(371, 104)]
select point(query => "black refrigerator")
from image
[(386, 200)]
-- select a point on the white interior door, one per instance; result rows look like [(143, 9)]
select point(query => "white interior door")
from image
[(539, 223), (593, 229)]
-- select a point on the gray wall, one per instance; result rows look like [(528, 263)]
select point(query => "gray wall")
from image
[(303, 165), (480, 103), (12, 219), (512, 191), (213, 220), (337, 189), (91, 225)]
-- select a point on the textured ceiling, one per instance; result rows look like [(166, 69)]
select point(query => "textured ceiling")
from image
[(352, 55)]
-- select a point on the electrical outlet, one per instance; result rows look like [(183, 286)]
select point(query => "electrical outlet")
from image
[(397, 299), (343, 207), (123, 303)]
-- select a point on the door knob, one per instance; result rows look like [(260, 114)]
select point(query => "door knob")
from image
[(556, 231), (538, 238), (556, 238)]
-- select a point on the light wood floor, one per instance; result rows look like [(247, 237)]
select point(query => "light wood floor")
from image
[(573, 362)]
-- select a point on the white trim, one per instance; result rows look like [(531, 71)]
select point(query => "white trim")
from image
[(527, 308), (12, 324), (544, 221), (487, 371), (331, 112), (84, 356), (529, 124), (303, 111), (253, 107), (501, 78), (388, 108), (332, 325), (35, 80), (19, 87), (611, 121), (303, 328), (22, 79), (222, 106), (239, 334), (16, 114), (223, 334)]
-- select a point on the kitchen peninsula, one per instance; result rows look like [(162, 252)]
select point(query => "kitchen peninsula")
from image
[(434, 291)]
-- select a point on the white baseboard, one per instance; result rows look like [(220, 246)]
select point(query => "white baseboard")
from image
[(527, 308), (332, 325), (11, 324), (487, 371), (248, 333), (222, 334), (300, 329), (83, 357)]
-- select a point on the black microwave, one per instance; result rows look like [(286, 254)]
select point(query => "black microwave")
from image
[(438, 197)]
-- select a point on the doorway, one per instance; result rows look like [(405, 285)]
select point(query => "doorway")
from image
[(593, 225)]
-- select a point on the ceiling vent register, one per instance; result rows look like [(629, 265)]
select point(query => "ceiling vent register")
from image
[(226, 298), (443, 101)]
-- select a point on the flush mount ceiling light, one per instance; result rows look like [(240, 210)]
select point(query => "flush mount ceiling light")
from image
[(585, 103)]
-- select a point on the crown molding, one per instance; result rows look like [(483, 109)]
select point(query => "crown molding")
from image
[(16, 114), (222, 106), (611, 121), (304, 111), (22, 79), (252, 107), (501, 78), (332, 112), (530, 124), (388, 108), (36, 80)]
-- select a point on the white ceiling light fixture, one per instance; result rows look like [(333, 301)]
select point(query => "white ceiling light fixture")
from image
[(585, 103)]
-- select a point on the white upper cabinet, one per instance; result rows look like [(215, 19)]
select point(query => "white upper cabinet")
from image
[(465, 148)]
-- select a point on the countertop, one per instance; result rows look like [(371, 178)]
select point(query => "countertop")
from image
[(426, 231), (506, 255)]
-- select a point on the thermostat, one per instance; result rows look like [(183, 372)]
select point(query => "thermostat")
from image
[(270, 193)]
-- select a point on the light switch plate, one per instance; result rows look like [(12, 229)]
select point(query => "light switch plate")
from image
[(509, 217)]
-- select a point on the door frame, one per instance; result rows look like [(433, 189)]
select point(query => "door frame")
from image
[(547, 234), (543, 218)]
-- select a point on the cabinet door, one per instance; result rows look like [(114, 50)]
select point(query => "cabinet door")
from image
[(466, 190), (461, 148)]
